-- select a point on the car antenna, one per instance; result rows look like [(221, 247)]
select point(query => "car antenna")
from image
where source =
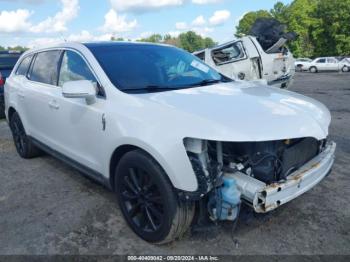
[(63, 38)]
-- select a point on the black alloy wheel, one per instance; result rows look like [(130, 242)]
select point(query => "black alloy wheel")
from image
[(23, 144), (142, 199), (18, 133), (148, 200)]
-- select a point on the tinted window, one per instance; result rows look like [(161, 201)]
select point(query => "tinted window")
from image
[(142, 66), (228, 53), (45, 68), (201, 56), (8, 61), (74, 68), (23, 67), (323, 60), (332, 60)]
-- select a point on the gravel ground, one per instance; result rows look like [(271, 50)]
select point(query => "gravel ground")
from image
[(46, 207)]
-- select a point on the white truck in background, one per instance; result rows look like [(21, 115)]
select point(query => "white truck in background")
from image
[(246, 59)]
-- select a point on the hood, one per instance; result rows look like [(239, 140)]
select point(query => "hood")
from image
[(240, 111)]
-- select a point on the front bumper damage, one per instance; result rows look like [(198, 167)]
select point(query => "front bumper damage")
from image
[(264, 198)]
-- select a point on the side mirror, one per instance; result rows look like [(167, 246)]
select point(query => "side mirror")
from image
[(80, 89)]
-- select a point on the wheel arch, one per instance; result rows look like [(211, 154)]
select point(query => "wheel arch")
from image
[(117, 155), (11, 111)]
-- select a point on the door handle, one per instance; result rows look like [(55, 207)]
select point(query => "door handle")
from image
[(53, 104)]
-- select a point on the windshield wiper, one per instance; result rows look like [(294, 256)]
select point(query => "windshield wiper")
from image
[(149, 89), (207, 82)]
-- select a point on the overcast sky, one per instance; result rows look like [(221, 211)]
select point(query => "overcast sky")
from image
[(35, 22)]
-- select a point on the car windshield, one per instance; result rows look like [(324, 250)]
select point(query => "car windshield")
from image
[(152, 68), (8, 61)]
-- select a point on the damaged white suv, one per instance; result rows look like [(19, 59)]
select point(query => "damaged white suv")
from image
[(170, 135)]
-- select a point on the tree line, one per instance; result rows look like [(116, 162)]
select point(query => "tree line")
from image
[(17, 48), (189, 41), (323, 26)]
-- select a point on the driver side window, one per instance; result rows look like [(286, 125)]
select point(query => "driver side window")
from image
[(73, 68)]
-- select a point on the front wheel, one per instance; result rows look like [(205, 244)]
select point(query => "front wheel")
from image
[(345, 69), (148, 201), (313, 69)]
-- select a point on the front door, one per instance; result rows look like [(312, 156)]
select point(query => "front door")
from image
[(81, 125)]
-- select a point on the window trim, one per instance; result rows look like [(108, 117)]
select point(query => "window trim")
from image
[(30, 69), (20, 63), (225, 46), (89, 66), (62, 49)]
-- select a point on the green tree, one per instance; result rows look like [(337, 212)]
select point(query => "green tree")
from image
[(18, 48), (209, 42), (245, 24), (332, 34), (301, 20), (280, 12), (191, 41), (117, 39), (155, 38)]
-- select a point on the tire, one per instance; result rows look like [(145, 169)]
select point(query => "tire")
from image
[(148, 201), (299, 68), (345, 69), (2, 107), (313, 69), (23, 144)]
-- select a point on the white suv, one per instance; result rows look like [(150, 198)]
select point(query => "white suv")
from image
[(170, 135)]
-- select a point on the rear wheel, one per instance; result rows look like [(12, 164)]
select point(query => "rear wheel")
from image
[(23, 144), (345, 69), (147, 199), (313, 69), (299, 68)]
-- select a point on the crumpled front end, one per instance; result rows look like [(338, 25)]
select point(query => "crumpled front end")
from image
[(266, 174)]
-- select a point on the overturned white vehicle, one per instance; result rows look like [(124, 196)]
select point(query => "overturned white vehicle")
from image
[(170, 135), (262, 55), (245, 59)]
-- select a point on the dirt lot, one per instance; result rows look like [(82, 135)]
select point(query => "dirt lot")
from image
[(46, 207)]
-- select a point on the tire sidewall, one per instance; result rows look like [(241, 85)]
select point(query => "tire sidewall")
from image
[(313, 69), (142, 160), (15, 119)]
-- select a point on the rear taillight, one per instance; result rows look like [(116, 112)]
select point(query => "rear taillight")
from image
[(2, 80)]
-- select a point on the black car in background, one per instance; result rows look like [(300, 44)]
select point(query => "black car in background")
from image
[(8, 59)]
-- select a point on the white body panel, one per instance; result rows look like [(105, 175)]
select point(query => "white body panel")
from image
[(158, 122), (276, 69)]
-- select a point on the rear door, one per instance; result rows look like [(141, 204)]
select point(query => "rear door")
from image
[(332, 64), (40, 90)]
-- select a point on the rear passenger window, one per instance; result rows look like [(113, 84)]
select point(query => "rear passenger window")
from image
[(74, 68), (23, 67), (45, 68)]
